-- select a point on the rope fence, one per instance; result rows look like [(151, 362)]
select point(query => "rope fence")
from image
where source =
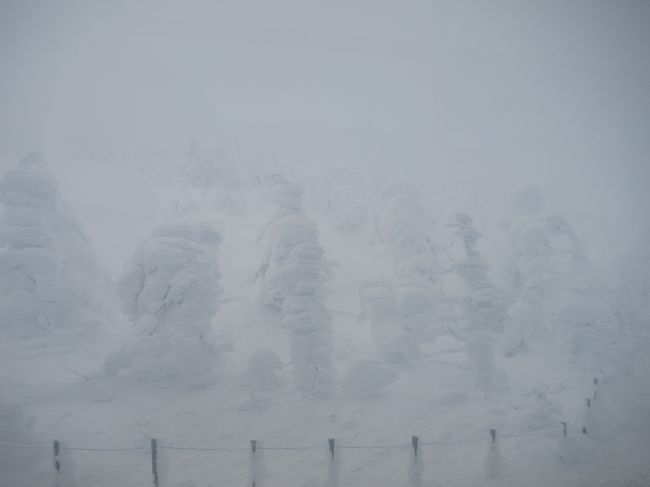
[(332, 446)]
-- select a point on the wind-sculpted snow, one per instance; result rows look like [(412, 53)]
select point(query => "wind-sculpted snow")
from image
[(170, 292), (50, 282), (292, 282)]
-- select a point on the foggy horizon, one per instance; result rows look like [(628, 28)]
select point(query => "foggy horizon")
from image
[(463, 186)]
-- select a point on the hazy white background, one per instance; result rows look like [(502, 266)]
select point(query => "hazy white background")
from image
[(468, 98)]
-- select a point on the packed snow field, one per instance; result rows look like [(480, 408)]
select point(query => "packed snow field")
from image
[(290, 308)]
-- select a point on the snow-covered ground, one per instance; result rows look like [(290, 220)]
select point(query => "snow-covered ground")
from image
[(342, 306)]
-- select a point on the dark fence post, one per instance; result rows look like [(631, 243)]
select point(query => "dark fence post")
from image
[(415, 466), (331, 444), (56, 450), (493, 435), (253, 463), (154, 461), (563, 423)]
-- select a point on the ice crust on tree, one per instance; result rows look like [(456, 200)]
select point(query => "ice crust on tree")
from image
[(50, 282), (293, 284)]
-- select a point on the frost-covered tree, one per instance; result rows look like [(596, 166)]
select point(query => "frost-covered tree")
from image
[(404, 226), (292, 283), (485, 305), (560, 297), (50, 282), (170, 291), (172, 282), (170, 287), (544, 243)]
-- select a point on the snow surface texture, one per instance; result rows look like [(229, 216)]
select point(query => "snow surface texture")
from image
[(403, 304), (50, 282)]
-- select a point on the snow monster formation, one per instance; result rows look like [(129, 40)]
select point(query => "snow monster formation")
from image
[(292, 283), (485, 308), (407, 313), (561, 299), (170, 288), (50, 282)]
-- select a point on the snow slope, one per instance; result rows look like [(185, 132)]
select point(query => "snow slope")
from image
[(391, 273)]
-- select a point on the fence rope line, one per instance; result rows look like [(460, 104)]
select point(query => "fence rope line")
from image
[(19, 445), (452, 442), (132, 448), (372, 447), (191, 448), (285, 448), (531, 433), (292, 448)]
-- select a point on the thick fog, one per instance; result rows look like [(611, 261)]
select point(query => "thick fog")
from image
[(469, 97), (340, 202)]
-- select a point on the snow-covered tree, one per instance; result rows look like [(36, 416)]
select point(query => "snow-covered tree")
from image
[(560, 297), (50, 282), (170, 291), (485, 305), (172, 282), (292, 283), (404, 226), (170, 288)]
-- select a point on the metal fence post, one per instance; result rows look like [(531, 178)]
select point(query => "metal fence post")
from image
[(56, 450), (154, 461)]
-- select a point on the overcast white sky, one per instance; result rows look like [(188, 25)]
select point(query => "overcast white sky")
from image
[(460, 92)]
